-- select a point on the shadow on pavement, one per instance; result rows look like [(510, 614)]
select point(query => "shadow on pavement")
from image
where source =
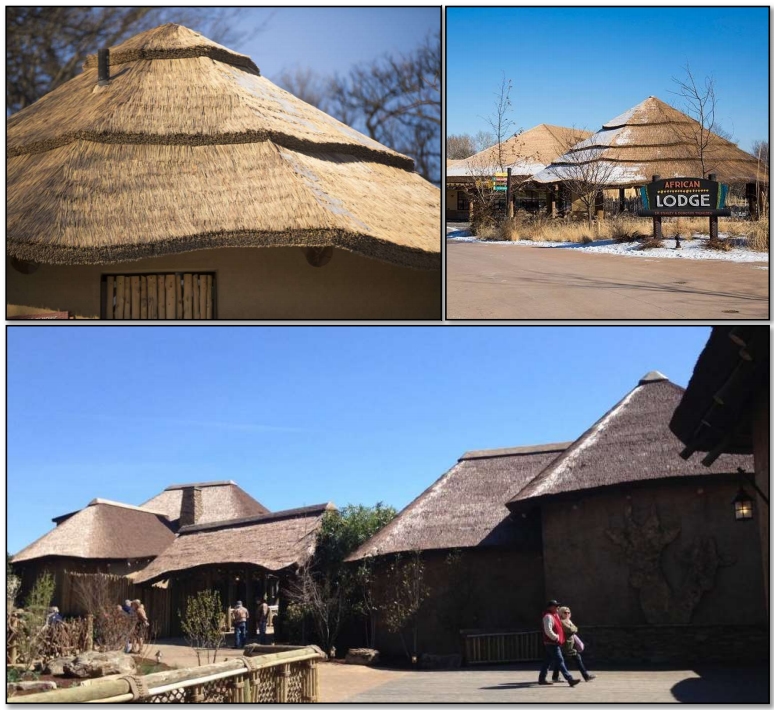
[(725, 685)]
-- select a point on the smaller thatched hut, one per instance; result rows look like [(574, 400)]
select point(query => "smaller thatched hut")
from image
[(726, 409), (653, 138), (243, 558), (526, 154), (483, 566), (146, 193), (104, 537)]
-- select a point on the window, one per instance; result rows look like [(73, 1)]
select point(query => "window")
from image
[(463, 204), (158, 296)]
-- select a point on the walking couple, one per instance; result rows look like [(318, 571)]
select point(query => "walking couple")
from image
[(559, 636)]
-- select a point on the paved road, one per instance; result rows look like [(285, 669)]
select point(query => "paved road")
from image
[(514, 282), (519, 685)]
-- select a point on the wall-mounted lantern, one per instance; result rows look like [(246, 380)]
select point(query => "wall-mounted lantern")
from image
[(743, 506)]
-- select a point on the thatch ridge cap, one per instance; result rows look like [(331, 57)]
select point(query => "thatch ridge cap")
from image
[(258, 519), (204, 484), (128, 506), (514, 451)]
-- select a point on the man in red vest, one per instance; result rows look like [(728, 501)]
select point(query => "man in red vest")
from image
[(553, 638)]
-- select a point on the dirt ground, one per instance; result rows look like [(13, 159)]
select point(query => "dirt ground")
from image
[(489, 281), (340, 682)]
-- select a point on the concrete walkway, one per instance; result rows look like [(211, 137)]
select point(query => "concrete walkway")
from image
[(517, 684), (487, 281)]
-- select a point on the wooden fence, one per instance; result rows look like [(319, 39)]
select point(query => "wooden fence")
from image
[(287, 677), (158, 296), (503, 646)]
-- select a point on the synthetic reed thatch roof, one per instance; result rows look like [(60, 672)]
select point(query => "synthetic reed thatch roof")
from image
[(221, 500), (653, 138), (189, 147), (103, 530), (526, 153), (630, 444), (274, 541), (466, 506), (718, 406)]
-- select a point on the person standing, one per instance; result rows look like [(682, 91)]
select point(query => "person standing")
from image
[(239, 616), (263, 620), (571, 648), (553, 639), (141, 626)]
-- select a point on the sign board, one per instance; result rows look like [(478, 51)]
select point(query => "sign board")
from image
[(684, 197), (500, 182)]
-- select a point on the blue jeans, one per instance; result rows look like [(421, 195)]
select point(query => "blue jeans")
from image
[(262, 632), (240, 629), (581, 667), (555, 660)]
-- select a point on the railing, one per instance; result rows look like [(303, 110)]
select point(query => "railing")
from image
[(502, 646), (287, 677)]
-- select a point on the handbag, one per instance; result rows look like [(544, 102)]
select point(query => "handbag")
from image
[(579, 645)]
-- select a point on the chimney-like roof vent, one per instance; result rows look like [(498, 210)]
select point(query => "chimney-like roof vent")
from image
[(653, 376), (103, 67)]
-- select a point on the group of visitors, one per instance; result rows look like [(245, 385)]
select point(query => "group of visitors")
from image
[(560, 638), (240, 616), (138, 625)]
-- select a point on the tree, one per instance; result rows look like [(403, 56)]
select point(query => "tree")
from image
[(305, 84), (396, 100), (460, 146), (31, 625), (584, 171), (201, 624), (484, 140), (700, 103), (326, 590), (500, 120), (46, 46), (760, 149), (403, 599), (97, 595)]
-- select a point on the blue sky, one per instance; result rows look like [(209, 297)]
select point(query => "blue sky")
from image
[(330, 40), (583, 66), (299, 415)]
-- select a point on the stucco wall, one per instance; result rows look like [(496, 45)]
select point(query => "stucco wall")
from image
[(487, 588), (251, 283), (682, 558)]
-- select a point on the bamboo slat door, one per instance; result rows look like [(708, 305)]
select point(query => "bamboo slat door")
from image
[(178, 296)]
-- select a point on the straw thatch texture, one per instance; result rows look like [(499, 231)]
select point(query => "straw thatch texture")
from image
[(631, 443), (718, 405), (221, 500), (466, 506), (104, 530), (190, 148), (653, 138), (274, 541), (526, 154)]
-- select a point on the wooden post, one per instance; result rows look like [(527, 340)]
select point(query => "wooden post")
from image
[(281, 686), (89, 632), (508, 196), (713, 220), (621, 200), (657, 220)]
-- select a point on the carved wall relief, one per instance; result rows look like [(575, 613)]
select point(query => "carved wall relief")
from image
[(665, 601)]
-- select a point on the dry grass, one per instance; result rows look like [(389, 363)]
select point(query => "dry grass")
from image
[(651, 243), (758, 239), (488, 233), (719, 245)]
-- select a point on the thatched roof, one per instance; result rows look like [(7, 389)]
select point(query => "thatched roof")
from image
[(526, 154), (717, 408), (103, 530), (274, 541), (653, 138), (221, 500), (466, 506), (189, 147), (632, 443)]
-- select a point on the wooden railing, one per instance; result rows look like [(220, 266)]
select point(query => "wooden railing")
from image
[(502, 646), (287, 677)]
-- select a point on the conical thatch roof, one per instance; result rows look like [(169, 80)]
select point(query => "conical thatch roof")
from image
[(189, 147), (653, 138), (466, 506), (526, 154), (274, 541), (103, 530), (220, 500), (631, 443)]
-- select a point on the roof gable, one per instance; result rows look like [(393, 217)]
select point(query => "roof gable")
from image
[(631, 443)]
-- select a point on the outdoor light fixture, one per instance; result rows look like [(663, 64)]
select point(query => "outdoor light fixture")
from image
[(743, 506)]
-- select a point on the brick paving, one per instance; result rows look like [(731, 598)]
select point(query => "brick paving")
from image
[(519, 684)]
